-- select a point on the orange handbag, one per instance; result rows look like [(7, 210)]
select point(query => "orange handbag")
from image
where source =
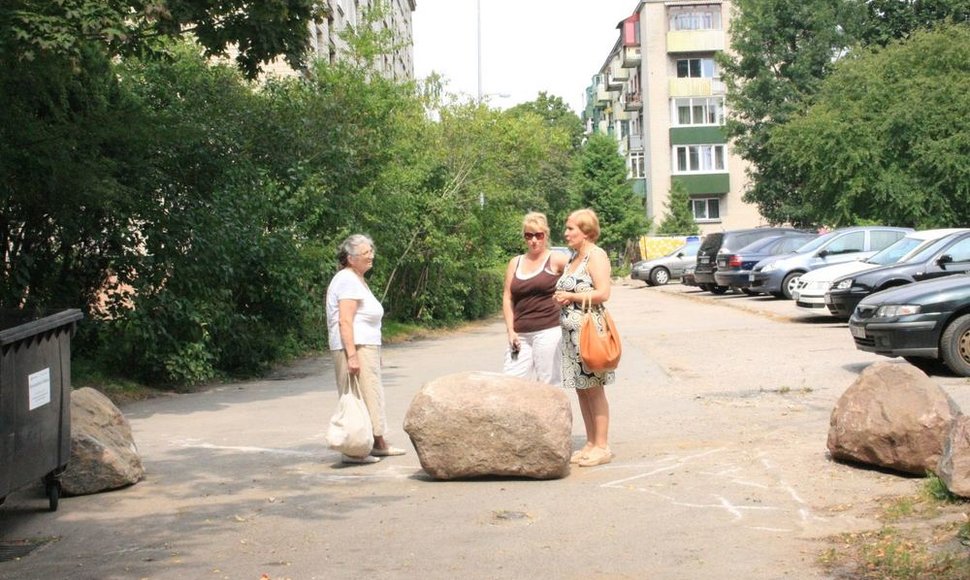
[(599, 349)]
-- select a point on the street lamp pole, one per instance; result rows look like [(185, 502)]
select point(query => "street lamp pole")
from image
[(479, 22)]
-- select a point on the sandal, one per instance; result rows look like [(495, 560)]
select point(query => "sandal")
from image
[(387, 451), (580, 454), (359, 460), (598, 456)]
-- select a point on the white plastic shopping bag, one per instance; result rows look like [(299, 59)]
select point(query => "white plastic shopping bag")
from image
[(350, 431)]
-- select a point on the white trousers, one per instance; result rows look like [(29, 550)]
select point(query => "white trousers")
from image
[(540, 356)]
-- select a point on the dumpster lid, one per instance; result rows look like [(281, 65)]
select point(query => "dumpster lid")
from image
[(19, 324)]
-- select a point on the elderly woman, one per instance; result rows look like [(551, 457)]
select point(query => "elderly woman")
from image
[(354, 326), (587, 275)]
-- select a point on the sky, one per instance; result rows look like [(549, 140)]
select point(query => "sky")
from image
[(527, 46)]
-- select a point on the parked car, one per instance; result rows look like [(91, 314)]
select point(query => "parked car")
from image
[(944, 257), (734, 268), (812, 286), (688, 277), (920, 322), (778, 275), (659, 271), (728, 241)]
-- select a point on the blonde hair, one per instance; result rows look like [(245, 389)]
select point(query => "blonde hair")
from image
[(587, 222), (538, 221)]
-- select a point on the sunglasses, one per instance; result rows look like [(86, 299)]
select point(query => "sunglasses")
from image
[(536, 235)]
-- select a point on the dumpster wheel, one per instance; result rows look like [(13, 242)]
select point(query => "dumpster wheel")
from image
[(53, 487)]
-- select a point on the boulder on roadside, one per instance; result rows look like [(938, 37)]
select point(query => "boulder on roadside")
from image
[(103, 452), (892, 416), (475, 424), (954, 469)]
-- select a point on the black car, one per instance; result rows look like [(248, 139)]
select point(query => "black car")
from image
[(734, 268), (728, 241), (947, 256), (919, 322)]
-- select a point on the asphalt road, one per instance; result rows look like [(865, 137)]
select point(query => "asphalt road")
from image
[(719, 420)]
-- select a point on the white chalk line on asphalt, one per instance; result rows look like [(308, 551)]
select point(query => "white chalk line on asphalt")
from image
[(192, 444), (721, 503), (377, 473)]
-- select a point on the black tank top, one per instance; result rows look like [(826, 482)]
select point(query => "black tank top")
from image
[(533, 308)]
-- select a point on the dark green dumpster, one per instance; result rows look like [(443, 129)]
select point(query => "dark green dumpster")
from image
[(35, 399)]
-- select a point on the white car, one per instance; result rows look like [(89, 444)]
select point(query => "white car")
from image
[(812, 286)]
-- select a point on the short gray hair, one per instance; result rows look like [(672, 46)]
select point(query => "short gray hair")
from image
[(347, 247)]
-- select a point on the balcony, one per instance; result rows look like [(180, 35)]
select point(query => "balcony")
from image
[(617, 76), (634, 142), (695, 41), (696, 87), (632, 102), (630, 57), (603, 96)]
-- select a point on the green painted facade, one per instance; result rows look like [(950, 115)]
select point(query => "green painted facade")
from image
[(697, 135), (706, 184)]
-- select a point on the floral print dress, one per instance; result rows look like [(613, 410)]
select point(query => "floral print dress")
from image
[(574, 374)]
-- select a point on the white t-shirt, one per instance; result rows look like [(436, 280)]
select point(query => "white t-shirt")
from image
[(367, 321)]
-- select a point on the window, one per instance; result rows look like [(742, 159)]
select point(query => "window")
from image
[(960, 251), (636, 166), (706, 209), (698, 111), (695, 68), (699, 159), (695, 17), (849, 243)]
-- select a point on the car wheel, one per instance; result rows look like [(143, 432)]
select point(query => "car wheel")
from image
[(659, 276), (749, 292), (955, 346), (706, 287), (789, 283), (719, 290)]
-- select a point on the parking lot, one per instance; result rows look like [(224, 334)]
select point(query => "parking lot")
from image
[(719, 421)]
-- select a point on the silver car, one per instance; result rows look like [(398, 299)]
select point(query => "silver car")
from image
[(659, 271)]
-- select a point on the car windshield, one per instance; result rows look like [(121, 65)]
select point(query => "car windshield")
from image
[(817, 242), (929, 250), (896, 252)]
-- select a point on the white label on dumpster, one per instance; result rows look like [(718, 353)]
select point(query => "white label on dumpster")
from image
[(40, 388)]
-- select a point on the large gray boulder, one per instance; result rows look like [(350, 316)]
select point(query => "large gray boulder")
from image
[(475, 424), (103, 452), (954, 469), (892, 416)]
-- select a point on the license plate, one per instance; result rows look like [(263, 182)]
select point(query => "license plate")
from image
[(828, 298), (750, 277), (704, 260), (857, 331)]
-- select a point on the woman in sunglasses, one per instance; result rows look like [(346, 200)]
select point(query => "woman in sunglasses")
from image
[(531, 315)]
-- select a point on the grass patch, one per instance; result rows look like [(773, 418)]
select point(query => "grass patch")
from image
[(925, 535)]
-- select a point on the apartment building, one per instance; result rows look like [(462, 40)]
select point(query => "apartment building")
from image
[(338, 15), (660, 94)]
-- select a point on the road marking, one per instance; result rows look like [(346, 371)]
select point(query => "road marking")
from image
[(733, 474)]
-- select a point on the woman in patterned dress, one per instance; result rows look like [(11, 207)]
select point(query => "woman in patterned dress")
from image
[(587, 274)]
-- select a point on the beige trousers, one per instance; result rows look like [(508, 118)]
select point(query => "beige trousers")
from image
[(371, 387)]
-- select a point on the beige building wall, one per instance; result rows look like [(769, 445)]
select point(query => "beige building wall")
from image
[(656, 69), (325, 41)]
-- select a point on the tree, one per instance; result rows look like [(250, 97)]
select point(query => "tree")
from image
[(679, 220), (600, 182), (549, 176), (783, 49), (257, 31), (881, 142)]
